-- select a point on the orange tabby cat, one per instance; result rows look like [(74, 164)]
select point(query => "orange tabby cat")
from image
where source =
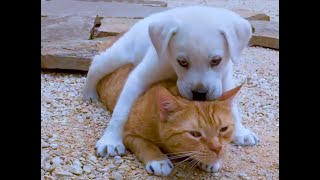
[(162, 121)]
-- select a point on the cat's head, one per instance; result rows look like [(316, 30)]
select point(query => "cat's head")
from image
[(199, 129)]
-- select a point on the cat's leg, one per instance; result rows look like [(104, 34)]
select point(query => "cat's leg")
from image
[(102, 65), (154, 160), (214, 167), (242, 135), (146, 73)]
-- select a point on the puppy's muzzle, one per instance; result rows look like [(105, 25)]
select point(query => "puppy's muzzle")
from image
[(199, 95)]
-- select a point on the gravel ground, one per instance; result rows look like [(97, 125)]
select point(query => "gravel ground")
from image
[(70, 127)]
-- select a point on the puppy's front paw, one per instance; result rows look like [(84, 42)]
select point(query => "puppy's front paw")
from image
[(214, 167), (90, 94), (245, 137), (110, 145), (160, 168)]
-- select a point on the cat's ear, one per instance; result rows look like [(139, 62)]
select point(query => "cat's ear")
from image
[(167, 104), (230, 96)]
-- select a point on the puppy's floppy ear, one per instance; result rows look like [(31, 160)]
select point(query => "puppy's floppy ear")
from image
[(237, 35), (161, 31)]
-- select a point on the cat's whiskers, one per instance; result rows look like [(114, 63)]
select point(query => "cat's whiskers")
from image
[(191, 167), (181, 156), (178, 164), (181, 162), (181, 152), (190, 157)]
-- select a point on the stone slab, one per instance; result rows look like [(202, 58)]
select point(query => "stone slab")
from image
[(71, 54), (266, 34), (252, 15), (106, 26), (93, 8), (55, 28)]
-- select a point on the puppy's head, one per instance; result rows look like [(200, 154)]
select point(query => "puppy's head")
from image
[(199, 48)]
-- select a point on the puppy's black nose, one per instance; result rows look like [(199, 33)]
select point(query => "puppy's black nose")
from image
[(199, 96)]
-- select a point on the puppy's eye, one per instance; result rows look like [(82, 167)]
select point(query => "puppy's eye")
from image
[(183, 62), (224, 129), (215, 61), (195, 134)]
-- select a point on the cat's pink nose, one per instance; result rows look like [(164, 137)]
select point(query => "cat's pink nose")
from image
[(215, 145), (215, 149)]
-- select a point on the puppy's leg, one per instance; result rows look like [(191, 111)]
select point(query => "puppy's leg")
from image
[(102, 65), (154, 160), (147, 72), (242, 135)]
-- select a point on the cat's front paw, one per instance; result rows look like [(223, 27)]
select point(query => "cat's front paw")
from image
[(110, 145), (214, 167), (160, 168), (245, 137)]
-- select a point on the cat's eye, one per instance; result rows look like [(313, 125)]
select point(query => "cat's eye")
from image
[(224, 129), (183, 62), (195, 134), (215, 61)]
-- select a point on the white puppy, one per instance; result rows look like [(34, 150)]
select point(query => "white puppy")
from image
[(192, 44)]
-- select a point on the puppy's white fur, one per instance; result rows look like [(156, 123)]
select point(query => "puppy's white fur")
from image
[(154, 44)]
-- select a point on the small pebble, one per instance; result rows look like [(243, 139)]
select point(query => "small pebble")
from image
[(44, 144), (262, 172), (92, 176), (243, 176), (54, 146), (47, 166), (52, 168), (88, 168), (93, 159), (109, 168), (61, 172), (51, 140), (56, 160), (116, 158), (124, 167), (180, 174), (65, 178), (128, 158), (77, 162), (75, 169), (117, 176), (118, 162)]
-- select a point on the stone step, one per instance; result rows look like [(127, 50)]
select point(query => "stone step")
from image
[(77, 54), (56, 28), (106, 26), (266, 34), (71, 54), (251, 14), (104, 8)]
